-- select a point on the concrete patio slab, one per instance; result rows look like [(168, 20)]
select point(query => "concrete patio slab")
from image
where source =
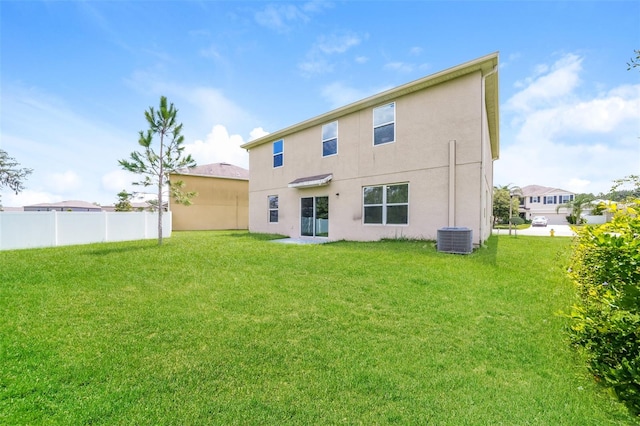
[(302, 240)]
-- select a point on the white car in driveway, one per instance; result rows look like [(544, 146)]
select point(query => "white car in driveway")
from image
[(539, 221)]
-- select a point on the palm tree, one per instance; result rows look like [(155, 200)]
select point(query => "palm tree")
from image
[(577, 206)]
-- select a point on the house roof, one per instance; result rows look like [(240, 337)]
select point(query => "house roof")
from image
[(488, 65), (530, 190), (222, 170), (68, 204)]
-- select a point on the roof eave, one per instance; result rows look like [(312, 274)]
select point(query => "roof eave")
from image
[(485, 64), (209, 176), (493, 112)]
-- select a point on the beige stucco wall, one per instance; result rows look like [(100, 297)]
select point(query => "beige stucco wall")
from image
[(221, 204), (426, 122)]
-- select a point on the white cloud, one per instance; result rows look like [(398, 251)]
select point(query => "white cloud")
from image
[(338, 94), (213, 105), (578, 185), (402, 67), (117, 180), (316, 60), (29, 197), (198, 106), (337, 43), (282, 17), (65, 182), (67, 148), (558, 134), (219, 147), (416, 51), (256, 133), (211, 52), (548, 84), (315, 66)]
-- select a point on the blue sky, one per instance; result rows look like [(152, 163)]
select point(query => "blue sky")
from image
[(76, 78)]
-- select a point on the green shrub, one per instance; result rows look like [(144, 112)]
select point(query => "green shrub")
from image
[(605, 266)]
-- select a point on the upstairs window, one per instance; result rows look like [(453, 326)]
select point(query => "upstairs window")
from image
[(563, 199), (330, 139), (535, 199), (384, 124), (278, 153)]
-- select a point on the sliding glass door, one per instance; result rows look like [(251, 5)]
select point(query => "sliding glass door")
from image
[(314, 216)]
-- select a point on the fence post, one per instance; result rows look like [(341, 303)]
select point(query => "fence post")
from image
[(106, 226), (55, 227)]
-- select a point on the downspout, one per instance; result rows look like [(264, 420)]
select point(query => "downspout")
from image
[(483, 115), (452, 184)]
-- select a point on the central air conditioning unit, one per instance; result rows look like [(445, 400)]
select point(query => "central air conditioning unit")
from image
[(455, 240)]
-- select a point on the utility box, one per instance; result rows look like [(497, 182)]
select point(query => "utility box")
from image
[(456, 240)]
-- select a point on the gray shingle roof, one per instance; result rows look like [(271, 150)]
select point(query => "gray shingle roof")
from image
[(224, 170)]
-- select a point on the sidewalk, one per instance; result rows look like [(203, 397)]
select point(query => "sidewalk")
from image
[(541, 231)]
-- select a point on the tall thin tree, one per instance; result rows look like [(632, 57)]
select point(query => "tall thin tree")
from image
[(156, 166)]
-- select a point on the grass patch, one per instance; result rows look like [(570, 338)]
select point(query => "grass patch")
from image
[(230, 328), (518, 227)]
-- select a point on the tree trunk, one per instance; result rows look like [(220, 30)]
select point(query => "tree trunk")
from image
[(160, 182), (510, 214), (160, 213)]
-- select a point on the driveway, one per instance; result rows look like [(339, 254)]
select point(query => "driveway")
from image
[(541, 231)]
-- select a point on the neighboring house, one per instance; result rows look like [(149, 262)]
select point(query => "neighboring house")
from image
[(64, 206), (605, 214), (543, 201), (222, 201), (136, 206), (400, 164)]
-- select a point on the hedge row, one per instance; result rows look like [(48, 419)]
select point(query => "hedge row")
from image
[(605, 267)]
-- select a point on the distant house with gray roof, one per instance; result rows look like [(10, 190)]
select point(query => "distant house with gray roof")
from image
[(64, 206), (540, 200), (222, 202)]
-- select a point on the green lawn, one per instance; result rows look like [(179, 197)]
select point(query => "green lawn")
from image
[(229, 328)]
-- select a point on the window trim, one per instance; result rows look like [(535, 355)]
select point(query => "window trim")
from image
[(271, 209), (275, 154), (375, 126), (385, 205), (329, 139), (564, 199)]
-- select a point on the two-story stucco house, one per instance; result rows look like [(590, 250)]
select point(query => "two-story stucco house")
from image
[(400, 164), (539, 200)]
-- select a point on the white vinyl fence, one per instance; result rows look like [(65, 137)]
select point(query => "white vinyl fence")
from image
[(20, 230), (595, 220)]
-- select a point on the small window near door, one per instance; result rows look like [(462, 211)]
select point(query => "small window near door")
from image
[(273, 208)]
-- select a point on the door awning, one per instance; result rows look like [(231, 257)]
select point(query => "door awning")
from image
[(310, 181)]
